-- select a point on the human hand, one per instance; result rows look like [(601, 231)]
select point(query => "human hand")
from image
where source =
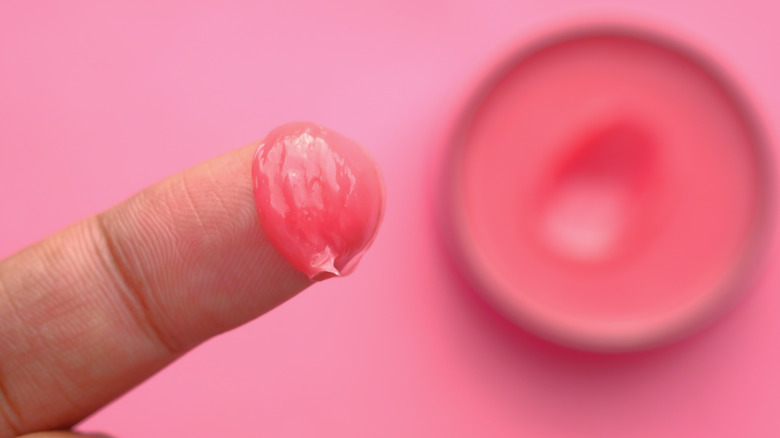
[(100, 306)]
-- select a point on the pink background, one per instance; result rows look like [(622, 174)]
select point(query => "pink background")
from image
[(99, 99)]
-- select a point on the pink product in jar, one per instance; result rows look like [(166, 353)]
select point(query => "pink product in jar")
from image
[(607, 189)]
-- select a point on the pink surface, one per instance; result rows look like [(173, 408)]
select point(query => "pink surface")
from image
[(98, 100), (319, 196), (607, 190)]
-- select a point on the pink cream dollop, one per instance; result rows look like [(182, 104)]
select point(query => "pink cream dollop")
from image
[(320, 198)]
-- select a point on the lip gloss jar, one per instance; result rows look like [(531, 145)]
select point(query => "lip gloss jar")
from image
[(608, 189)]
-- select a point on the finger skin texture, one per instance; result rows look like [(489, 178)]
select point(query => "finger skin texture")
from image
[(97, 308), (64, 434)]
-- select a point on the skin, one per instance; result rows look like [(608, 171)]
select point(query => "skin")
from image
[(100, 306)]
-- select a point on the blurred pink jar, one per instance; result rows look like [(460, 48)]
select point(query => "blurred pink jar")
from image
[(607, 189)]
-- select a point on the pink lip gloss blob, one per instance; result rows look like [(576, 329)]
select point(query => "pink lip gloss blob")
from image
[(320, 198), (607, 190)]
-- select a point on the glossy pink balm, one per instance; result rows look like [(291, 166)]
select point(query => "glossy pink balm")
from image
[(320, 198)]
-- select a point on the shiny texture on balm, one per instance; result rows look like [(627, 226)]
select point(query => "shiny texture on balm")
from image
[(320, 198)]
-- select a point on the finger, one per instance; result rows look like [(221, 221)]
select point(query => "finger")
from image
[(95, 309), (64, 434)]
